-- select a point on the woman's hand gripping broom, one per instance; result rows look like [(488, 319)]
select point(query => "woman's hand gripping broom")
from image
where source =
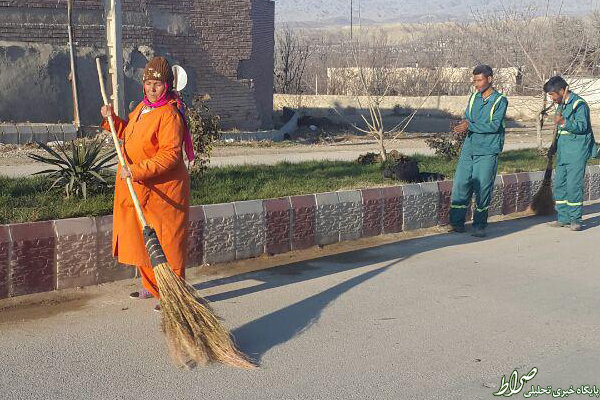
[(194, 333)]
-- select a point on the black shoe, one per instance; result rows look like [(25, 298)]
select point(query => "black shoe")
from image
[(479, 232), (558, 224), (456, 229)]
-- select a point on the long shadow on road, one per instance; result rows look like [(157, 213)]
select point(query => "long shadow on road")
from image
[(259, 336)]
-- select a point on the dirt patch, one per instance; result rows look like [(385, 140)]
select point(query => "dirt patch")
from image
[(42, 306)]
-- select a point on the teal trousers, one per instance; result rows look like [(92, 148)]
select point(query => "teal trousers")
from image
[(474, 175), (568, 191)]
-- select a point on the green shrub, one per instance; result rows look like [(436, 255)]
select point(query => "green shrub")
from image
[(205, 128), (447, 145)]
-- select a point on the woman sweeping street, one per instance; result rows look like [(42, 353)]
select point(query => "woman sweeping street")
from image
[(152, 142)]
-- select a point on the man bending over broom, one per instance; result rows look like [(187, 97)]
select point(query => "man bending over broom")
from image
[(575, 145)]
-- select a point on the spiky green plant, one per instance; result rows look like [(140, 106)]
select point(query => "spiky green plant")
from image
[(80, 165)]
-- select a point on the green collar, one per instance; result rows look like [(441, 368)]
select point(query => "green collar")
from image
[(572, 96), (494, 94)]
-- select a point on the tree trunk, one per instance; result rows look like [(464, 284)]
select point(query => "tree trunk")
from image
[(382, 146)]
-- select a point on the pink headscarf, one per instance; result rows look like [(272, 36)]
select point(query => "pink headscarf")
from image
[(168, 95)]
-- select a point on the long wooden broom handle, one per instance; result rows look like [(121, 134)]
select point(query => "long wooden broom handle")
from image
[(553, 144), (136, 202), (550, 163)]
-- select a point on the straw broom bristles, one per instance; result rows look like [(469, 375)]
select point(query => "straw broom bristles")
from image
[(543, 203), (193, 331)]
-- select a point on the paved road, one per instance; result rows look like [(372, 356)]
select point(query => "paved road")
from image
[(24, 167), (436, 317)]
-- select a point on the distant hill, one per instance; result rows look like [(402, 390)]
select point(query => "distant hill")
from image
[(315, 13)]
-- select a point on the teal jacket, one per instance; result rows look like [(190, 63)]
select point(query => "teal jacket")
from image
[(486, 124), (576, 142)]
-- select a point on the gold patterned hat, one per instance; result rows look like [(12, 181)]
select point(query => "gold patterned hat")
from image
[(159, 69)]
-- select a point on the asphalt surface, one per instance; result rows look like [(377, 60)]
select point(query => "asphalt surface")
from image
[(435, 317)]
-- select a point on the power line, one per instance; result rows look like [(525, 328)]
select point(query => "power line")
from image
[(351, 18)]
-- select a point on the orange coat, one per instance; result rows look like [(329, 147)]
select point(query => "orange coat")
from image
[(152, 148)]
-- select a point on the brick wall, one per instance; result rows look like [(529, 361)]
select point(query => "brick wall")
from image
[(227, 49)]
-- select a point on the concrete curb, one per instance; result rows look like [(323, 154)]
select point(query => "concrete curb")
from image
[(45, 256), (23, 133)]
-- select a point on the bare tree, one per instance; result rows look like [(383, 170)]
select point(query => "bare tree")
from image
[(292, 51), (540, 43), (371, 59), (374, 68)]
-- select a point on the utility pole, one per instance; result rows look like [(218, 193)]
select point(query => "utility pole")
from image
[(359, 19), (351, 19), (114, 45), (76, 118)]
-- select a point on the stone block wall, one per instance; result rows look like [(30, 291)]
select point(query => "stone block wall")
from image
[(444, 201), (196, 236), (22, 133), (219, 233), (392, 209), (249, 229), (509, 194), (497, 197), (278, 225), (108, 269), (593, 173), (44, 256), (429, 204), (32, 259), (304, 212), (521, 107), (412, 196), (351, 214), (4, 260), (76, 252), (328, 218), (524, 189), (373, 207)]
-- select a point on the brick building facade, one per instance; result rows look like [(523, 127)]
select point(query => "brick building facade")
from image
[(226, 48)]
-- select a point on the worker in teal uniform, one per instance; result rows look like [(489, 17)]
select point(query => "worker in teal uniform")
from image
[(478, 162), (574, 147)]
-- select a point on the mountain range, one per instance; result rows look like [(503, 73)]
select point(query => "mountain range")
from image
[(337, 12)]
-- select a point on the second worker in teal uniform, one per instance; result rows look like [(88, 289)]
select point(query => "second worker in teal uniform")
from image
[(478, 161), (575, 146)]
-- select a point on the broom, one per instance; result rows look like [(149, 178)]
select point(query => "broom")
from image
[(543, 201), (194, 333)]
